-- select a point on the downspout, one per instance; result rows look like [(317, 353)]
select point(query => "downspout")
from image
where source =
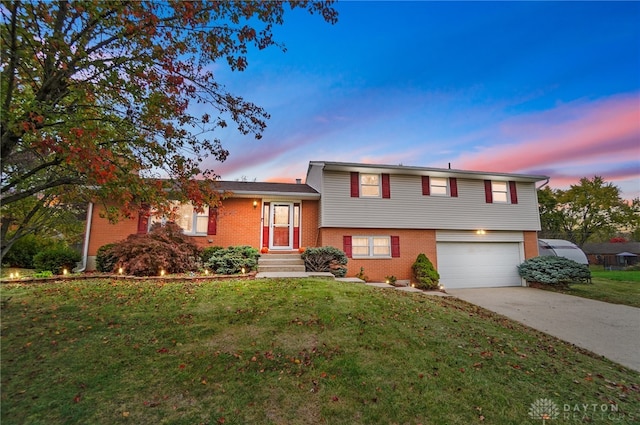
[(544, 184), (85, 250)]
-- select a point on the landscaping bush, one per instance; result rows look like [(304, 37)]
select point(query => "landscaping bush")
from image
[(553, 270), (209, 252), (24, 249), (56, 259), (325, 259), (425, 276), (106, 261), (232, 259), (165, 247)]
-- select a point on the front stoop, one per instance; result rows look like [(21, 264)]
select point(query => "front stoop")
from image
[(280, 263)]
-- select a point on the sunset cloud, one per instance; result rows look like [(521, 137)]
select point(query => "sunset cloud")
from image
[(574, 133)]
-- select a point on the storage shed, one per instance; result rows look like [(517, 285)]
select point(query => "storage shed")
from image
[(562, 248)]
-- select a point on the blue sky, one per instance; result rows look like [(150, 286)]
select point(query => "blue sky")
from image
[(526, 87)]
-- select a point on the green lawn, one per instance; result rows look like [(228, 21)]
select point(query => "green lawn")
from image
[(308, 351), (617, 287)]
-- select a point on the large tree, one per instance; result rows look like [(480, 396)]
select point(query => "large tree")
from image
[(97, 100), (592, 209)]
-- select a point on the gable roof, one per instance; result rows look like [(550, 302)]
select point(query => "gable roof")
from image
[(611, 247), (441, 172), (249, 189)]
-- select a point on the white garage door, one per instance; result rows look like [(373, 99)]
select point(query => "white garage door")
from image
[(478, 264)]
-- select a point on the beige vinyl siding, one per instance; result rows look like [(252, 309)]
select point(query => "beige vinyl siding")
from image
[(409, 209), (314, 179), (473, 236)]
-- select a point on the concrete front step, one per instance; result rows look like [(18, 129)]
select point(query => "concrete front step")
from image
[(280, 268), (274, 263), (285, 275), (290, 261)]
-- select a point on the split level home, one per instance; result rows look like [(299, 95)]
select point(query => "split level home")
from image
[(476, 227)]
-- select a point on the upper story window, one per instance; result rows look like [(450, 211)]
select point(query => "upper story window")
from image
[(185, 216), (501, 192), (439, 186), (370, 185)]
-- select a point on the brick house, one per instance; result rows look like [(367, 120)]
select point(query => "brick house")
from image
[(476, 227)]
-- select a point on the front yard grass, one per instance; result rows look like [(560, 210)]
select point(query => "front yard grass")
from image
[(616, 287), (303, 351)]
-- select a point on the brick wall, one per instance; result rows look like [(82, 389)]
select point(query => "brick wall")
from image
[(309, 224), (103, 232), (239, 223), (530, 244), (412, 243)]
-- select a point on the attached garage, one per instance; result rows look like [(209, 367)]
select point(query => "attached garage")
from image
[(484, 261)]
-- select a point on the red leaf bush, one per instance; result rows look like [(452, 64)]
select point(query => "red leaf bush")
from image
[(165, 247)]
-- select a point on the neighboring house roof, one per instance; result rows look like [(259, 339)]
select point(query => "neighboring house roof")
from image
[(406, 169), (611, 248), (248, 189)]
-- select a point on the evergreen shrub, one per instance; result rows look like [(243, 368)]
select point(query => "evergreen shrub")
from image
[(325, 259), (23, 251), (425, 276), (232, 259), (106, 261), (56, 259), (553, 270)]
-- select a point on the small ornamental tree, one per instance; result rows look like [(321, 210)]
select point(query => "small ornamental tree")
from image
[(325, 259), (553, 270), (425, 276), (165, 247)]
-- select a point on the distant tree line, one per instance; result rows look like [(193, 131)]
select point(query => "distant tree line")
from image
[(591, 211)]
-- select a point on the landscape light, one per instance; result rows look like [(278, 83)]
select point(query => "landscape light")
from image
[(64, 272), (120, 270), (161, 272)]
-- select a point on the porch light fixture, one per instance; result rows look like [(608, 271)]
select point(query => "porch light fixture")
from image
[(255, 204), (480, 232)]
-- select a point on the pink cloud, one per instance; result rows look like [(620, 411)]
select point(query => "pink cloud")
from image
[(571, 134)]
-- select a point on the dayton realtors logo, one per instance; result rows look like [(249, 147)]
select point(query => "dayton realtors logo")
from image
[(544, 409)]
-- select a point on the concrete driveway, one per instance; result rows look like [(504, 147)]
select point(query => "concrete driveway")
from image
[(610, 330)]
